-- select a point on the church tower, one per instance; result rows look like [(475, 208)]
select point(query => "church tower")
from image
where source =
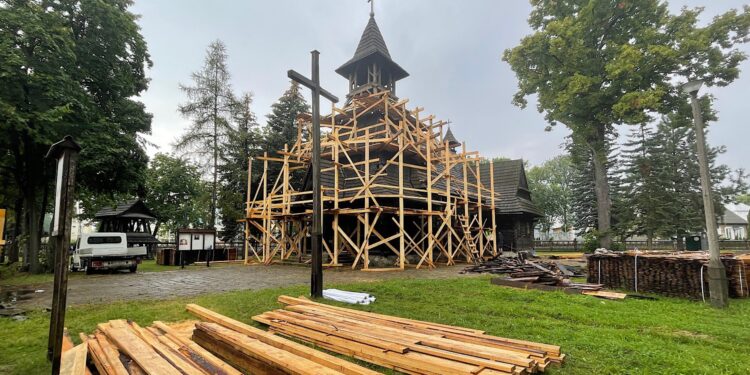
[(371, 70)]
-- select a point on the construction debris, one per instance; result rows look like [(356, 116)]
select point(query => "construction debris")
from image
[(406, 345), (682, 274), (520, 267)]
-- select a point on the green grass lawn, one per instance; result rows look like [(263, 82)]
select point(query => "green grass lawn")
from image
[(667, 336)]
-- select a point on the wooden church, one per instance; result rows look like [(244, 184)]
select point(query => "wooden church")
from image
[(398, 188)]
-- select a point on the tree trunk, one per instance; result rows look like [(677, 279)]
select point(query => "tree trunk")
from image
[(601, 187), (18, 214), (156, 227), (32, 230)]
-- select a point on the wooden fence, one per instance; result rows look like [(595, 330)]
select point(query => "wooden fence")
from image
[(575, 245)]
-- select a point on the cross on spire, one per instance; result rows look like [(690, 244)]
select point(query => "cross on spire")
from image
[(372, 7)]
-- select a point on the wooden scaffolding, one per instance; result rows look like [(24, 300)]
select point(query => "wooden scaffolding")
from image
[(392, 186)]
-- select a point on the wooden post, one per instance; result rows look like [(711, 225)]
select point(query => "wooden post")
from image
[(401, 254), (494, 214), (335, 149), (266, 213), (467, 236), (247, 207), (366, 238), (65, 153), (285, 209), (430, 239), (479, 206), (449, 214)]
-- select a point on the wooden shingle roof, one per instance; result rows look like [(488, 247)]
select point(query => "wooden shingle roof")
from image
[(511, 185), (131, 209), (372, 46)]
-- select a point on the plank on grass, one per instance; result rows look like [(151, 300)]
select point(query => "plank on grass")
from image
[(408, 323), (316, 356), (415, 342), (195, 352), (292, 363), (172, 356), (140, 352), (109, 354), (436, 326), (73, 361)]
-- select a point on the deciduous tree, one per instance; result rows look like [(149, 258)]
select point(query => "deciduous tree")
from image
[(71, 67), (596, 64)]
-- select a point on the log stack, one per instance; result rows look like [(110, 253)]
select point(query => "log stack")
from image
[(671, 274), (406, 345)]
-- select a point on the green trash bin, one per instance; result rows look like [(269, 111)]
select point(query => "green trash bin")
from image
[(693, 243)]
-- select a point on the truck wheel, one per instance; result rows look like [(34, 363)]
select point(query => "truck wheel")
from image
[(133, 269), (89, 270)]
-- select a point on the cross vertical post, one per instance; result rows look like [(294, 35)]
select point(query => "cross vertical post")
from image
[(316, 274)]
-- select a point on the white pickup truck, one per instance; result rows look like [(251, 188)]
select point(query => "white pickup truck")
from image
[(105, 251)]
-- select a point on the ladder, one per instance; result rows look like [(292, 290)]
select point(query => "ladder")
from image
[(469, 238)]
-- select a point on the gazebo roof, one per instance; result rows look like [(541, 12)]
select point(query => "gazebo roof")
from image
[(133, 209)]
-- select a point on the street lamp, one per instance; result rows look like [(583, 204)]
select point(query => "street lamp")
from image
[(717, 276)]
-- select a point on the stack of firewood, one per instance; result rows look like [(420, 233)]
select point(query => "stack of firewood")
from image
[(672, 274)]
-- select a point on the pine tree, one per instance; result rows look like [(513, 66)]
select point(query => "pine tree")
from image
[(242, 143), (209, 106), (281, 129), (642, 201)]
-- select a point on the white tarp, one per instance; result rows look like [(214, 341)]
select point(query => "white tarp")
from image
[(354, 298)]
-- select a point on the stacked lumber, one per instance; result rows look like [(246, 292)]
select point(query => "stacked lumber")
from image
[(121, 347), (409, 346), (527, 274), (521, 268), (679, 274), (255, 351)]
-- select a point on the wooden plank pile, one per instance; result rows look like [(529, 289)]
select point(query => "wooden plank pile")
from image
[(121, 347), (255, 351), (220, 346), (409, 346), (671, 274)]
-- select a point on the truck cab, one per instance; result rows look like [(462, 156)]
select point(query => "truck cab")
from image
[(105, 251)]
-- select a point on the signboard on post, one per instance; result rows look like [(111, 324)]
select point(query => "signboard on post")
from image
[(65, 155)]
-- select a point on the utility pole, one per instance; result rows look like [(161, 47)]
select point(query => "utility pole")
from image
[(717, 275), (316, 275)]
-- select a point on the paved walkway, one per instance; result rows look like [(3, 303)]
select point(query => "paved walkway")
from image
[(198, 280)]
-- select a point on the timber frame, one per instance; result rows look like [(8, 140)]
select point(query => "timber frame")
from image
[(392, 186)]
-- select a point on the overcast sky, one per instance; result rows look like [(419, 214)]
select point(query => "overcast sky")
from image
[(450, 48)]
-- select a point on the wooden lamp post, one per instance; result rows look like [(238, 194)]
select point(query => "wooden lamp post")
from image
[(65, 155)]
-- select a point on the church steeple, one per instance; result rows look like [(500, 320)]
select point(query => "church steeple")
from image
[(371, 69)]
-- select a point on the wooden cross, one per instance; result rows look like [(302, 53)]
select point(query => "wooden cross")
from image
[(316, 275)]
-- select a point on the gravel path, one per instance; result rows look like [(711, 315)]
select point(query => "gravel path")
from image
[(197, 280)]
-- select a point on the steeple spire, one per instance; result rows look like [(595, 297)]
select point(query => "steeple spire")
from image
[(371, 69)]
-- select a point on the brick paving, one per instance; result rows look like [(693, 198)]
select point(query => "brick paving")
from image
[(197, 280)]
